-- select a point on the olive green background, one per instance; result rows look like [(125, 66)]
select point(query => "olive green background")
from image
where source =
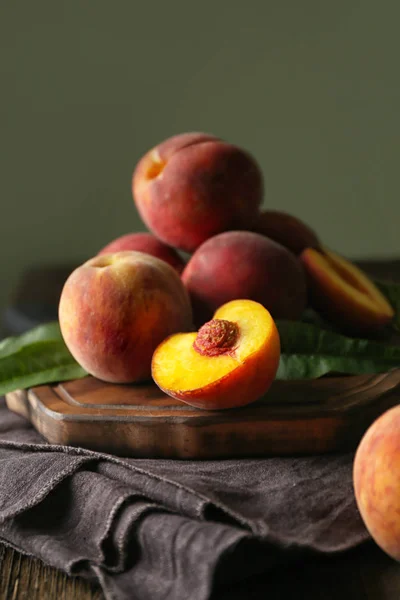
[(310, 87)]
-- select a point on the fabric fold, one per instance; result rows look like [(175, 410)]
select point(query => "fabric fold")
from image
[(169, 529)]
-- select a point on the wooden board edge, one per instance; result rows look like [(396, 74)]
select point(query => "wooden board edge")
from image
[(17, 402)]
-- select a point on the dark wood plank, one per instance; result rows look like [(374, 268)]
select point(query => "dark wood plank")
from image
[(25, 578)]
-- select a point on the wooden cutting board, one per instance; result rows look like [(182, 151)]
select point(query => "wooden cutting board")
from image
[(295, 417)]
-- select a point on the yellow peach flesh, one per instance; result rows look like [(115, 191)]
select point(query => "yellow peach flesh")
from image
[(349, 277), (180, 367), (156, 165), (342, 279)]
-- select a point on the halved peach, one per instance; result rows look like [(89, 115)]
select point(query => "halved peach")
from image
[(231, 361), (342, 293)]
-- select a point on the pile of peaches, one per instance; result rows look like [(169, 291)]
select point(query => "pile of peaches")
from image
[(203, 327)]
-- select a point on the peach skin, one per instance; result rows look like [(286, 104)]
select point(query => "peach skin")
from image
[(376, 477), (287, 230), (193, 186), (116, 308), (343, 294), (147, 243), (231, 361), (242, 264)]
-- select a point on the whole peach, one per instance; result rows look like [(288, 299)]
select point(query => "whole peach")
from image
[(193, 186), (287, 230), (116, 308), (246, 265), (147, 243), (376, 476)]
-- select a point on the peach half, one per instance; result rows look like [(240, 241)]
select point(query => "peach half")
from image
[(343, 294), (231, 361)]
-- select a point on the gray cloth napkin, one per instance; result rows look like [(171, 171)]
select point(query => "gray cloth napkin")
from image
[(152, 529)]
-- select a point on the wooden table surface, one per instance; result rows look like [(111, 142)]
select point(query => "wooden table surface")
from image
[(365, 573)]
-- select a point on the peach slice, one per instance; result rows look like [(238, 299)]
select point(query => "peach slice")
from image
[(231, 361), (344, 294)]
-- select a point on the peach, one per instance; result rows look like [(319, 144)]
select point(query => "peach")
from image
[(231, 361), (376, 477), (116, 308), (242, 264), (147, 243), (193, 186), (287, 230), (343, 294)]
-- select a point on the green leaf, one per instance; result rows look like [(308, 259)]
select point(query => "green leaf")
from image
[(36, 357), (308, 352), (392, 293), (42, 333)]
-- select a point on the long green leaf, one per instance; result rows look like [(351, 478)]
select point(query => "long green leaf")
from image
[(37, 357), (41, 333), (308, 352)]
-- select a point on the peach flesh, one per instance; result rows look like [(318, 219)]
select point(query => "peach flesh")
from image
[(240, 374), (344, 294)]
